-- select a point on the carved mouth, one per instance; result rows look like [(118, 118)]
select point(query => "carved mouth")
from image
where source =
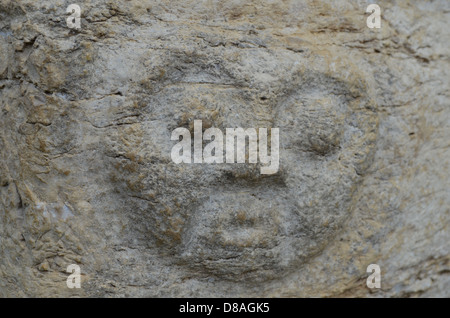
[(242, 230)]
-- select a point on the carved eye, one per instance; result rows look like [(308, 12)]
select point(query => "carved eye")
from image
[(312, 124), (324, 141)]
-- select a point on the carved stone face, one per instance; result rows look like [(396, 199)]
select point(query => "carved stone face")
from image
[(228, 219)]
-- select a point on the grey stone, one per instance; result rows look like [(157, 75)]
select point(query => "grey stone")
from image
[(86, 176)]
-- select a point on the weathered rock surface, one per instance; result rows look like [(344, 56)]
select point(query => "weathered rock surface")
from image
[(86, 176)]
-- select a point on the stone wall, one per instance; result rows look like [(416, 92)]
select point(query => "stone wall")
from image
[(86, 175)]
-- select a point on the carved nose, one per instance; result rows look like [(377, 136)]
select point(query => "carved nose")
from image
[(250, 171), (249, 174)]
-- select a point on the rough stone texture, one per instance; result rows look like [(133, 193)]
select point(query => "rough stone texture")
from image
[(86, 175)]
